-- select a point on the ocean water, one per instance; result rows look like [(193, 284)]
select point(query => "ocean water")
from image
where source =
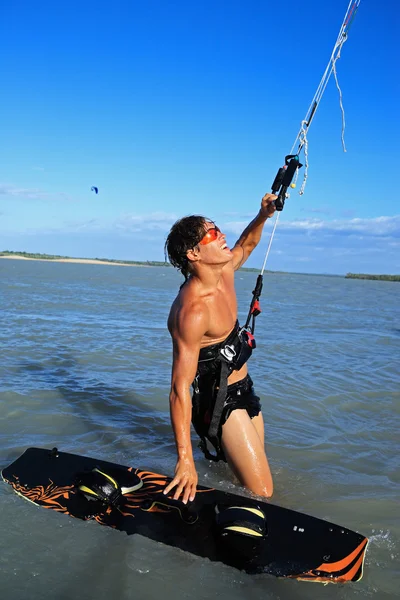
[(85, 366)]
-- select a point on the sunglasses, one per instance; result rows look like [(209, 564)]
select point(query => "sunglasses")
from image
[(210, 236)]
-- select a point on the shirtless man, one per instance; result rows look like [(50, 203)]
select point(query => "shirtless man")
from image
[(203, 326)]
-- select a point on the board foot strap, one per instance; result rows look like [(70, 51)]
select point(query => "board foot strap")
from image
[(241, 530), (107, 487)]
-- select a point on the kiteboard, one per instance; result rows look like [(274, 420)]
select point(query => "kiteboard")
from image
[(245, 533)]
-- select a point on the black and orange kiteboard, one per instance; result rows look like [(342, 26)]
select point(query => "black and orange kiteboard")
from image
[(254, 536)]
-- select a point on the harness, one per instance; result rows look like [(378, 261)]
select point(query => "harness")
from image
[(220, 360)]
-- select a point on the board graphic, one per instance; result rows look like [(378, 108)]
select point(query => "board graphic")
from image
[(251, 535)]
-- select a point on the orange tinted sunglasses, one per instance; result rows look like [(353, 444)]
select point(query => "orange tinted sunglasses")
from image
[(210, 236)]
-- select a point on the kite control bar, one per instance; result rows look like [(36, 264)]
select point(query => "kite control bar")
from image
[(284, 178)]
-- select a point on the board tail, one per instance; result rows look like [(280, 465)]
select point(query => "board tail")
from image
[(349, 568)]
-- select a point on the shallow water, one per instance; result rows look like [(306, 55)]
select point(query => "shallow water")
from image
[(85, 366)]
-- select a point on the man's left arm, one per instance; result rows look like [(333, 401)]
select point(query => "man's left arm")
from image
[(252, 234)]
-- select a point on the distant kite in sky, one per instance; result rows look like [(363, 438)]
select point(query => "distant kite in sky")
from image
[(95, 189)]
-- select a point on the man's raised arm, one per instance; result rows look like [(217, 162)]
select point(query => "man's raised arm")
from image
[(252, 234)]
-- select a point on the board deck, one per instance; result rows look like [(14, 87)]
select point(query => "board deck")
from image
[(295, 545)]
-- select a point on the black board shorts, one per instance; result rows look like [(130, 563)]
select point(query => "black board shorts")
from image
[(239, 395)]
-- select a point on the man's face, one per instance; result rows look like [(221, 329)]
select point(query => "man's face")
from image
[(210, 235), (213, 246)]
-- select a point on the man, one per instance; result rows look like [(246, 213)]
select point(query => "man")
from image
[(209, 352)]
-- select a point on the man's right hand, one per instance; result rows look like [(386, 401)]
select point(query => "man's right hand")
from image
[(268, 205), (185, 480)]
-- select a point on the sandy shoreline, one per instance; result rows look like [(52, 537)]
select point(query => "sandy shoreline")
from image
[(86, 261)]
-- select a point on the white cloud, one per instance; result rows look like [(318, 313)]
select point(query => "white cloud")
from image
[(374, 226), (10, 190), (378, 226), (320, 211), (303, 258), (91, 224), (30, 193), (149, 226), (157, 221), (141, 237)]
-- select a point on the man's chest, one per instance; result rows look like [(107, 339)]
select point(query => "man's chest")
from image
[(223, 313)]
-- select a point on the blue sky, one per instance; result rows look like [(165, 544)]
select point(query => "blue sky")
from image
[(180, 108)]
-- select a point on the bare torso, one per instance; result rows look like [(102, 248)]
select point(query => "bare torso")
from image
[(221, 303)]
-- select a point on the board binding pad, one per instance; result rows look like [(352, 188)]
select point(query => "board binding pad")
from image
[(248, 534)]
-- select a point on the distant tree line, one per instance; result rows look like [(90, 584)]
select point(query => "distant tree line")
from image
[(157, 263), (151, 263), (31, 254), (377, 277)]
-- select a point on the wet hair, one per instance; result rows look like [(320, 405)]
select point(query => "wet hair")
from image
[(185, 234)]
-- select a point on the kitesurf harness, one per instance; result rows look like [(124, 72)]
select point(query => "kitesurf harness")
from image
[(219, 360)]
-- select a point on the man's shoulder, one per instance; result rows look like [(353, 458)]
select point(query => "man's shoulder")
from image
[(189, 315), (193, 307), (190, 297)]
